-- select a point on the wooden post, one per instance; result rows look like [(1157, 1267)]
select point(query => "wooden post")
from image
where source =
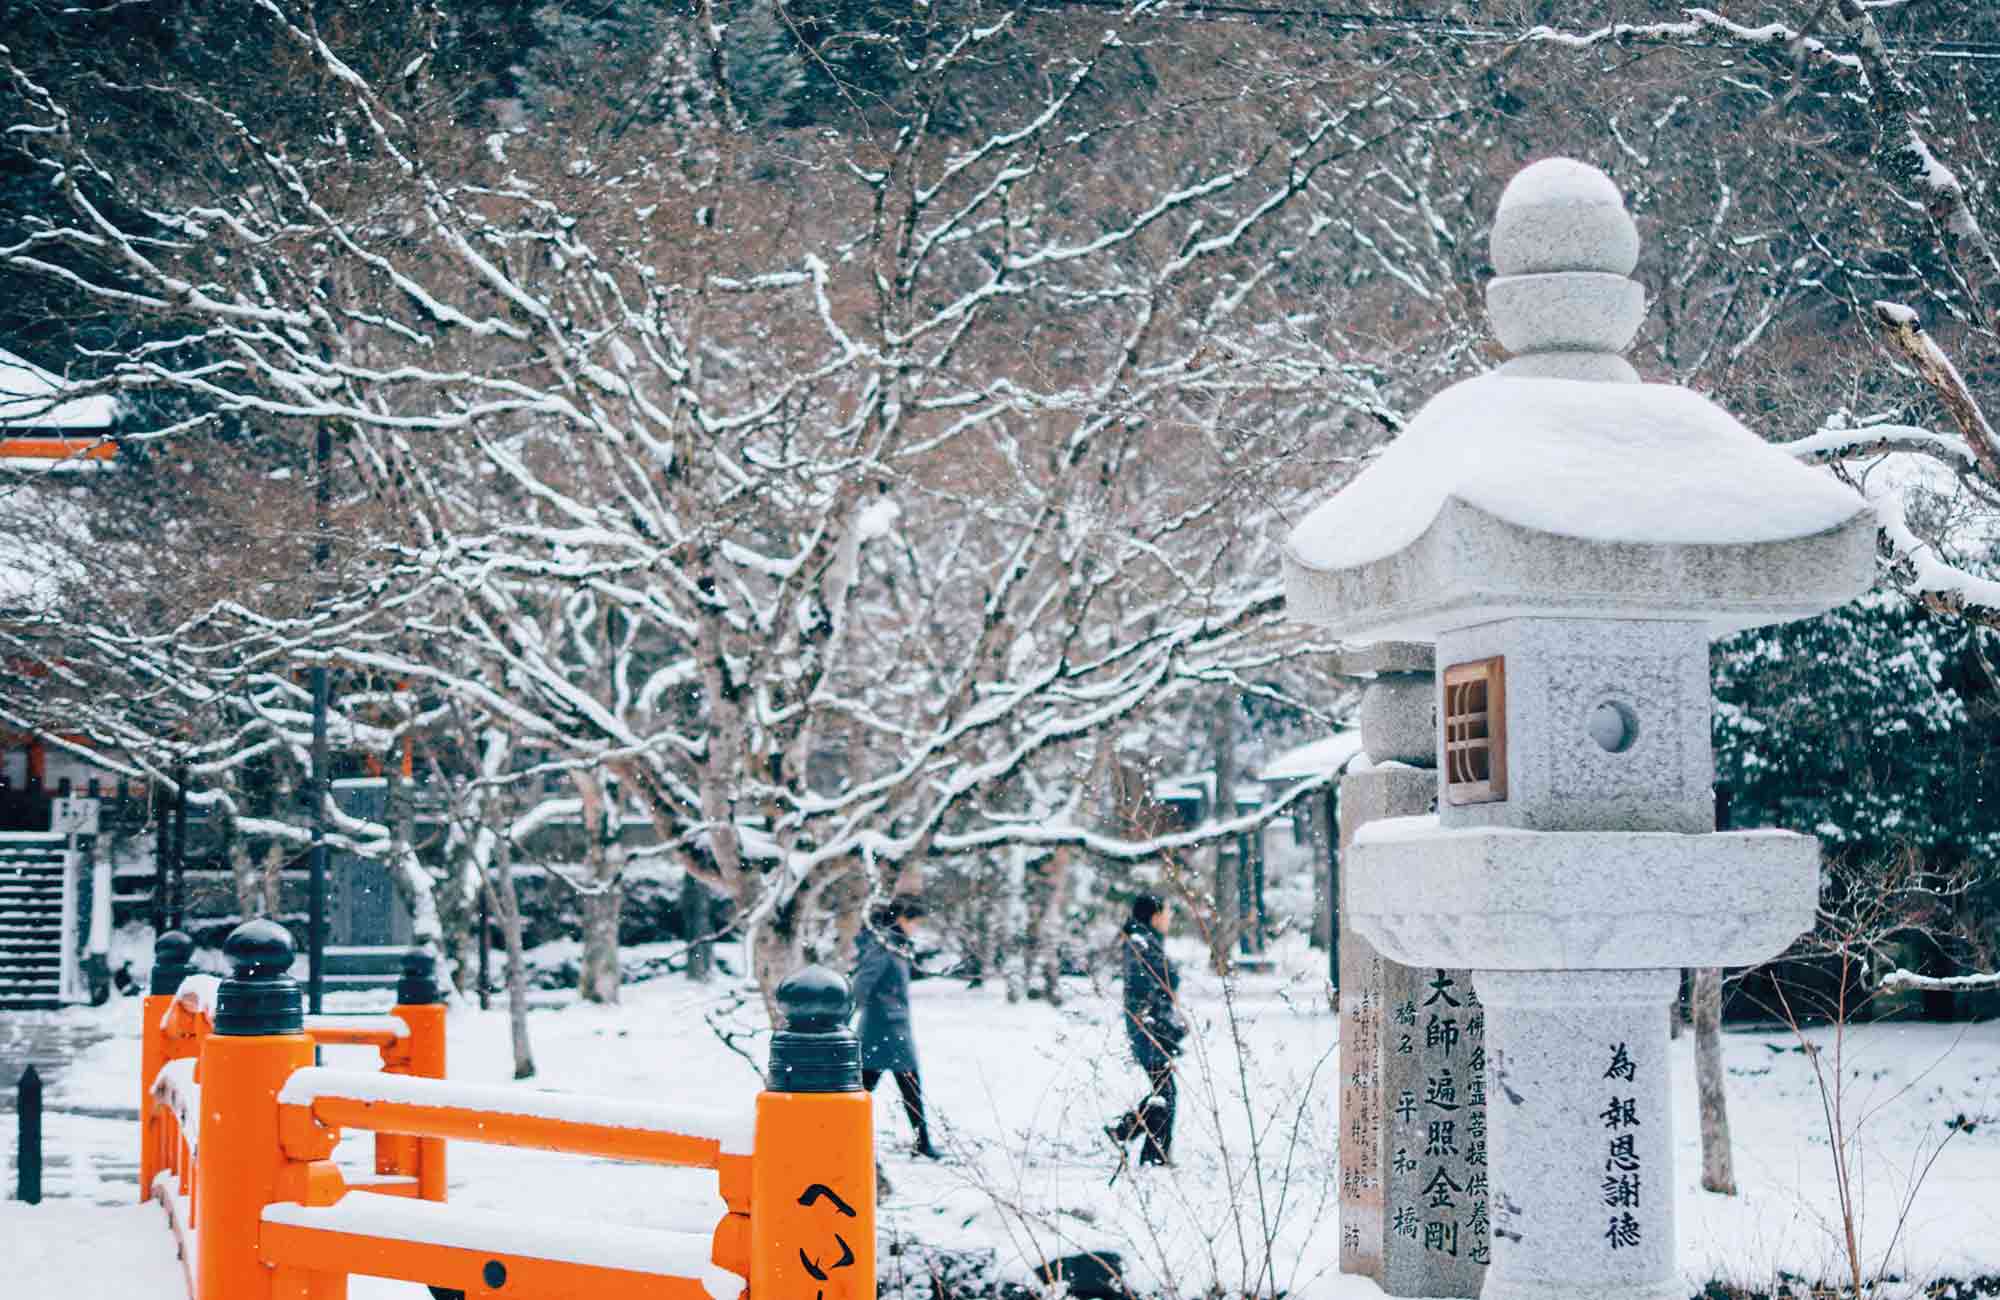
[(419, 1005), (257, 1043), (28, 1158), (180, 845), (812, 1176), (163, 905), (485, 945)]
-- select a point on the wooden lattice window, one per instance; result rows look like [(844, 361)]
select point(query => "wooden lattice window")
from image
[(1475, 731)]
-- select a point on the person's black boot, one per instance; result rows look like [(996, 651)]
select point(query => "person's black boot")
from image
[(925, 1149)]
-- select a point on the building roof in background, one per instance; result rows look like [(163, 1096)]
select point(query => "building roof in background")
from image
[(31, 398)]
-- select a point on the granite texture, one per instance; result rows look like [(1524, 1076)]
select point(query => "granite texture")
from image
[(1384, 657), (1469, 567), (1562, 215), (1567, 311), (1600, 367), (1582, 1142), (1399, 719), (1559, 671), (1499, 899)]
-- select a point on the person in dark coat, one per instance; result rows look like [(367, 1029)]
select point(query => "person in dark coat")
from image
[(1153, 1027), (883, 953)]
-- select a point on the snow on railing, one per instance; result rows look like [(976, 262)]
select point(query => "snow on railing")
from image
[(171, 1137), (488, 1233), (732, 1130), (367, 1030), (196, 996), (174, 1087)]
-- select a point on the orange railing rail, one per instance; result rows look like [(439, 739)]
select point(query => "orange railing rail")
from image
[(178, 1018), (271, 1215)]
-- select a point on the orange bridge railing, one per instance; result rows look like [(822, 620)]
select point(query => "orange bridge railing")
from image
[(262, 1211)]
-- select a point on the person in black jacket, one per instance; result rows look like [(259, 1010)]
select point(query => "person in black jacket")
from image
[(1153, 1027), (883, 953)]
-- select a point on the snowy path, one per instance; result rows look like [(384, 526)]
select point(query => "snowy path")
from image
[(48, 1041), (84, 1156), (1020, 1092)]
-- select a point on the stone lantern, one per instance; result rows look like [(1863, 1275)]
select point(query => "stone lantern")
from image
[(1570, 540)]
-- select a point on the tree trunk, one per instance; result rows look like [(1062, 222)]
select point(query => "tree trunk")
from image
[(852, 902), (507, 904), (697, 927), (602, 896), (774, 951), (1226, 919), (462, 942), (1320, 842), (981, 946), (274, 879), (1717, 1168), (1019, 951), (1046, 942), (243, 870), (598, 980)]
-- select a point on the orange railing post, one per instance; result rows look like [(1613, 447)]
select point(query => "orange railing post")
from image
[(241, 1165), (172, 953), (420, 1006), (812, 1171)]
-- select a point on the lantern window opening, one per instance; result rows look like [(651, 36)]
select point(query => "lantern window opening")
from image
[(1475, 731)]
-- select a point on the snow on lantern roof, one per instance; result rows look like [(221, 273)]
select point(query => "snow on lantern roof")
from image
[(1606, 462), (1561, 485), (31, 398)]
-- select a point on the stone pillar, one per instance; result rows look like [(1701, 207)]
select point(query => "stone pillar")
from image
[(1584, 1162), (1413, 1202)]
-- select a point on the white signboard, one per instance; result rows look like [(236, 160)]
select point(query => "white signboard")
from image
[(74, 816)]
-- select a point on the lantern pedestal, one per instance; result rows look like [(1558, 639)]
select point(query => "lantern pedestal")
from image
[(1582, 1145)]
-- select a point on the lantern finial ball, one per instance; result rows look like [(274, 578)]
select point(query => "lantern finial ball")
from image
[(1563, 215)]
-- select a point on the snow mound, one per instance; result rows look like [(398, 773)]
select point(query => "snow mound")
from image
[(1649, 464)]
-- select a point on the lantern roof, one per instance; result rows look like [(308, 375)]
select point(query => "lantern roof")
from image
[(1562, 486)]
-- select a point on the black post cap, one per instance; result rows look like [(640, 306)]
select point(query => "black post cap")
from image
[(173, 961), (260, 997), (815, 1051), (417, 987)]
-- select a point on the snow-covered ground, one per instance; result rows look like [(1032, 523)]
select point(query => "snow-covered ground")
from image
[(1020, 1093)]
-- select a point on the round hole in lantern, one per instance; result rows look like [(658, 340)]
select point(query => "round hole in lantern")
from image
[(1613, 726)]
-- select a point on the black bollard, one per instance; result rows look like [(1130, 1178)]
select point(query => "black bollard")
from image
[(260, 997), (173, 961), (28, 1159), (815, 1051), (417, 985)]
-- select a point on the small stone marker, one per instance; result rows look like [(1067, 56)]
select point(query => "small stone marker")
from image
[(28, 1147), (1413, 1178), (1570, 540)]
